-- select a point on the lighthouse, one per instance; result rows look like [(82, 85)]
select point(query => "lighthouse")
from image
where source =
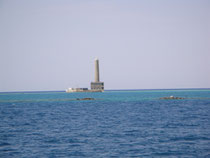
[(97, 85), (96, 70)]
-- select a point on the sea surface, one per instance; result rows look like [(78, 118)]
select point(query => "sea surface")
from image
[(117, 124)]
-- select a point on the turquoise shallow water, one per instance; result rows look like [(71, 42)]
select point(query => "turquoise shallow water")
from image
[(116, 124)]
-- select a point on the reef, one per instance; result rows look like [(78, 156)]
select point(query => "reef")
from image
[(171, 97), (85, 99)]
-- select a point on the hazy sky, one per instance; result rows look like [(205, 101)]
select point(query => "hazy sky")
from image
[(141, 44)]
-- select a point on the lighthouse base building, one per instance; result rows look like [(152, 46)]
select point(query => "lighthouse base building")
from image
[(97, 85)]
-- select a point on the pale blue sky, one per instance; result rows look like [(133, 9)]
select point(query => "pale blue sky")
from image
[(141, 44)]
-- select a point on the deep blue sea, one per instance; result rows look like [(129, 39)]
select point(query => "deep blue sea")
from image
[(117, 124)]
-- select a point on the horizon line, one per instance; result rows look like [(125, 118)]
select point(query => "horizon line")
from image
[(37, 91)]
